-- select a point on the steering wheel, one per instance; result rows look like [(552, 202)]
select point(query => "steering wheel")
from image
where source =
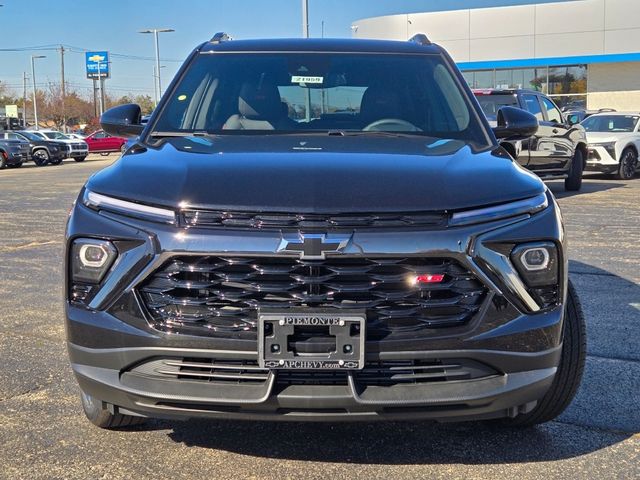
[(391, 125)]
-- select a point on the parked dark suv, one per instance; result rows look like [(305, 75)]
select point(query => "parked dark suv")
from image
[(320, 230), (557, 150), (42, 152)]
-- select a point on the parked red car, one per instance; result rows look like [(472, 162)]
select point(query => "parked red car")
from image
[(103, 143)]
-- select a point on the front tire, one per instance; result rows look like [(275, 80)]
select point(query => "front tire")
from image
[(573, 182), (567, 379), (41, 157), (628, 164), (103, 418), (79, 159)]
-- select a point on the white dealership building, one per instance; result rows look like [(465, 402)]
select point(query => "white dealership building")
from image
[(578, 51)]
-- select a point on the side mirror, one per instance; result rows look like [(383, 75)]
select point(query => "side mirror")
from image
[(515, 123), (573, 119), (122, 121)]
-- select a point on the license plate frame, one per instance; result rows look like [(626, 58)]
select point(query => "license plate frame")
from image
[(347, 326)]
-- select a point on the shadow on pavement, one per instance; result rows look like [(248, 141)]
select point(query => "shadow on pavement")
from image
[(606, 183), (604, 412)]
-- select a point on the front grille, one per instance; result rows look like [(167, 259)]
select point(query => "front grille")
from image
[(217, 219), (76, 147), (380, 373), (220, 296)]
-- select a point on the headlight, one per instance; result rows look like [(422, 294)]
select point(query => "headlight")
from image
[(91, 259), (530, 205), (537, 263), (98, 201), (610, 147)]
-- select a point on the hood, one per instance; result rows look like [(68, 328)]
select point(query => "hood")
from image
[(316, 174), (604, 137)]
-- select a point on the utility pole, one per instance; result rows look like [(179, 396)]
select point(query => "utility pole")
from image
[(63, 90), (24, 99)]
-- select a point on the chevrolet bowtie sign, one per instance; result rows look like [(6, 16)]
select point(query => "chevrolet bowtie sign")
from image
[(311, 246), (97, 65)]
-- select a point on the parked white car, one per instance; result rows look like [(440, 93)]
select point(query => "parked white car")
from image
[(614, 143), (76, 149), (75, 136)]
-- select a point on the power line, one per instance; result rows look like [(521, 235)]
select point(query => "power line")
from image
[(75, 49)]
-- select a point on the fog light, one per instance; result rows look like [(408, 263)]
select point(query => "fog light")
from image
[(534, 259), (91, 259)]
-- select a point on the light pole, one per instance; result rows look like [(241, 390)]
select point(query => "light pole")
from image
[(155, 84), (305, 18), (33, 77), (155, 32)]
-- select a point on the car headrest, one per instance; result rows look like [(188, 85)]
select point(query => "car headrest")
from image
[(259, 101), (379, 102)]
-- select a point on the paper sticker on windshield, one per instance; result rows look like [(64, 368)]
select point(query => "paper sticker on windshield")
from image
[(306, 79)]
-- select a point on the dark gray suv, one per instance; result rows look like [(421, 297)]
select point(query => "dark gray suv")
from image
[(320, 230)]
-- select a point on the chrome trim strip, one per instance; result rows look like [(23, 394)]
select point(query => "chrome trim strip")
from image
[(502, 267)]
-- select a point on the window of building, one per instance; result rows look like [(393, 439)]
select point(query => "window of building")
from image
[(567, 79), (570, 80)]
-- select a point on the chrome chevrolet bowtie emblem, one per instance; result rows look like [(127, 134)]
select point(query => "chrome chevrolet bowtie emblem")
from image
[(313, 246)]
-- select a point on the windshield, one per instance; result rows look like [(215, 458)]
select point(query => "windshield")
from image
[(611, 123), (231, 93), (56, 136), (490, 104)]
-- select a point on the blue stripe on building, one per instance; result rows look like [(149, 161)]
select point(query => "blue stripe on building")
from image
[(543, 62)]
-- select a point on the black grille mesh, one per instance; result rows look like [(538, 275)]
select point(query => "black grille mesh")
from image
[(380, 373), (219, 296)]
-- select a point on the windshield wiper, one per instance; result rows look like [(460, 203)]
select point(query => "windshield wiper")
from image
[(178, 134), (380, 133)]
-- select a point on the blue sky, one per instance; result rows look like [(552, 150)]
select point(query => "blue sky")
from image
[(113, 25)]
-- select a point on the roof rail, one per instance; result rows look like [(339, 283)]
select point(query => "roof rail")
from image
[(421, 39), (221, 37)]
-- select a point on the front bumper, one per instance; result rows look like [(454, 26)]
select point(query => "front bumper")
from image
[(600, 159), (519, 344), (99, 373), (76, 153)]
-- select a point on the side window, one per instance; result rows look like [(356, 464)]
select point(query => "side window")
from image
[(553, 114), (533, 106), (100, 135), (11, 136)]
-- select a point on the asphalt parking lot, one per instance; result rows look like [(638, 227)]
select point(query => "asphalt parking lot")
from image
[(44, 434)]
